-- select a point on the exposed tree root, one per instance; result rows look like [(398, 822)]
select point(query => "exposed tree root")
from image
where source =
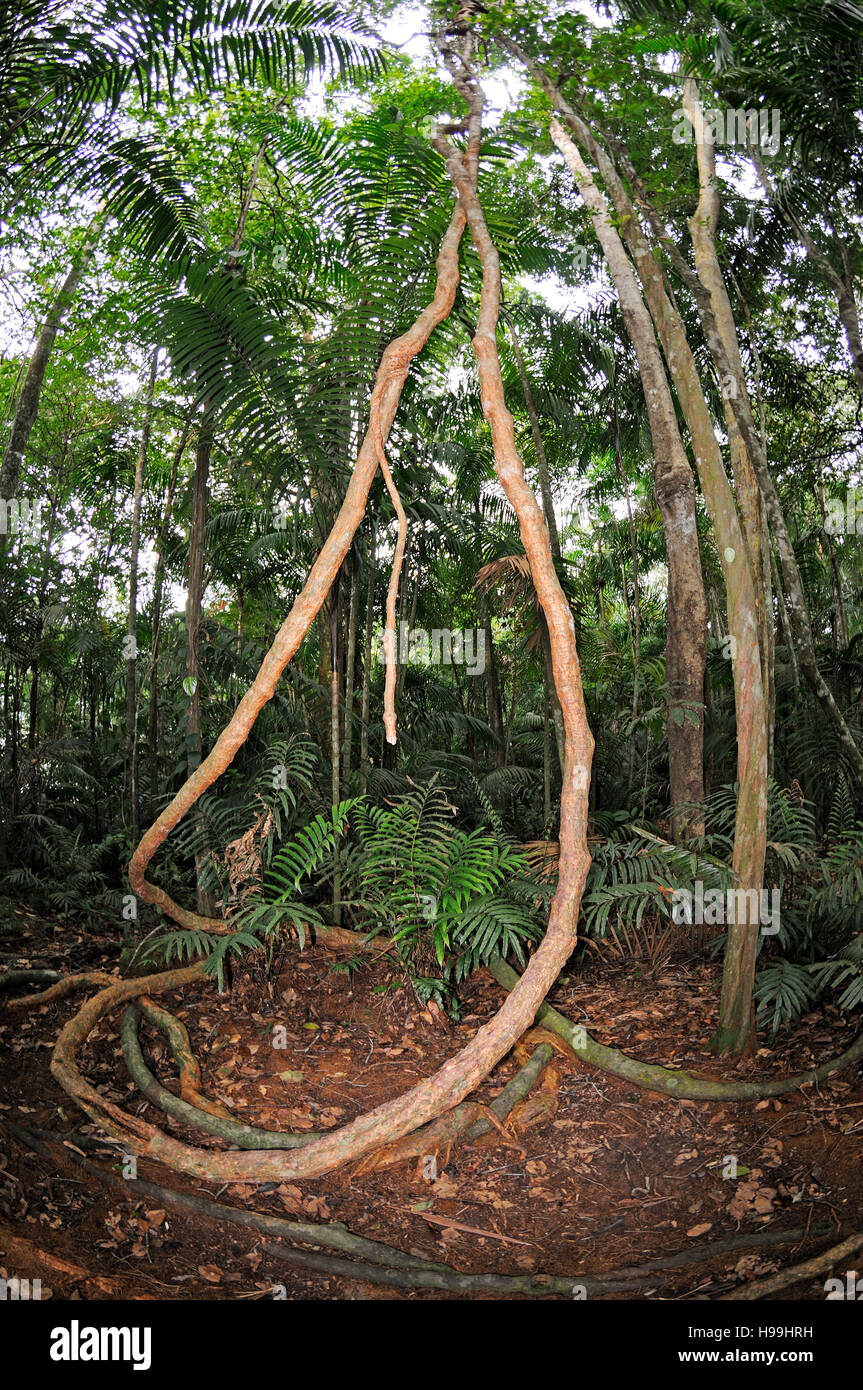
[(386, 1265), (809, 1269), (470, 1120), (467, 1120), (187, 1062), (10, 979), (186, 1112), (383, 1264), (331, 1234), (667, 1082), (65, 985)]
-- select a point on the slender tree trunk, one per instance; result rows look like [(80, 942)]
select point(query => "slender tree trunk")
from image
[(546, 755), (335, 728), (158, 592), (750, 828), (635, 607), (796, 598), (27, 406), (367, 662), (738, 975), (132, 617), (492, 684), (686, 643), (350, 672), (793, 584), (197, 547), (836, 575)]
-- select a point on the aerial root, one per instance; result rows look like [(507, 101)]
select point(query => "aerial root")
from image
[(678, 1084)]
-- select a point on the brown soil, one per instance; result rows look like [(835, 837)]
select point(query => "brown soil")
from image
[(605, 1177)]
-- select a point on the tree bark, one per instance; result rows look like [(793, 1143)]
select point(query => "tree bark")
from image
[(27, 407), (365, 705), (194, 601), (686, 641), (132, 618)]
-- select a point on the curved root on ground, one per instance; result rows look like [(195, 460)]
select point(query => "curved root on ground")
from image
[(63, 986), (383, 1264), (671, 1083)]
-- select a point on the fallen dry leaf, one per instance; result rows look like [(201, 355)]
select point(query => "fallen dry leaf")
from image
[(701, 1229)]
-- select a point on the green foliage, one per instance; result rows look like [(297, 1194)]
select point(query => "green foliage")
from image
[(442, 893), (634, 872), (786, 989)]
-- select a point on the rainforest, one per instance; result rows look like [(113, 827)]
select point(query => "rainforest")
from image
[(431, 648)]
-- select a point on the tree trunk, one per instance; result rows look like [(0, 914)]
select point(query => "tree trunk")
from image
[(750, 826), (492, 684), (335, 726), (131, 653), (793, 584), (27, 407), (197, 546), (350, 672), (686, 641), (158, 589), (367, 663)]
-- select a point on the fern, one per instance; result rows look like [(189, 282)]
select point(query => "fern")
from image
[(785, 988), (847, 965)]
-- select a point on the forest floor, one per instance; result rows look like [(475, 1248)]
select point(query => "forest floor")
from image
[(603, 1176)]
